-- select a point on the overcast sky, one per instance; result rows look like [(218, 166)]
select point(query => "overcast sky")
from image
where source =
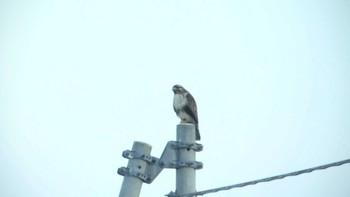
[(80, 81)]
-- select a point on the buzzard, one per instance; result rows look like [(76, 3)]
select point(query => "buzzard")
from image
[(185, 107)]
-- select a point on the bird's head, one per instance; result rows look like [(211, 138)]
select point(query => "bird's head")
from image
[(178, 89)]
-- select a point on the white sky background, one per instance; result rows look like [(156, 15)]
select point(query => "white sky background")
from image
[(80, 81)]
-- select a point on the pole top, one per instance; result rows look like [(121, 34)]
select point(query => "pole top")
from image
[(186, 132), (142, 143)]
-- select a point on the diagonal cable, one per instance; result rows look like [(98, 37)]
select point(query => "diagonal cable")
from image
[(296, 173)]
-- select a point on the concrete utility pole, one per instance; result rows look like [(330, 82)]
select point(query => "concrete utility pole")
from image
[(185, 176), (131, 186)]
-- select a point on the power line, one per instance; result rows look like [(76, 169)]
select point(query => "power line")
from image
[(296, 173)]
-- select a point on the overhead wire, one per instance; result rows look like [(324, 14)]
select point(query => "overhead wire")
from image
[(272, 178)]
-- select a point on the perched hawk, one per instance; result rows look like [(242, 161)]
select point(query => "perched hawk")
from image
[(185, 107)]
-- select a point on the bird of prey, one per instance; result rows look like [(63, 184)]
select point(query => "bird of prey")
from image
[(185, 107)]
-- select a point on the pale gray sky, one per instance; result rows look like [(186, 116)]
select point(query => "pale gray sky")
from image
[(81, 80)]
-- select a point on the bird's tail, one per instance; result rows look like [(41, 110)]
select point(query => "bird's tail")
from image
[(198, 136)]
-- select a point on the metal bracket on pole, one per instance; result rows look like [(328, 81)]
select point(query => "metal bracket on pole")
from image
[(188, 164), (136, 155), (169, 156), (129, 172), (179, 145)]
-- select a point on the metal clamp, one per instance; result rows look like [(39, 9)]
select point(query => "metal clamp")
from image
[(181, 145), (128, 172), (182, 164), (135, 155)]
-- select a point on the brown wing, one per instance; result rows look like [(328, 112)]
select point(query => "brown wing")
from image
[(191, 107)]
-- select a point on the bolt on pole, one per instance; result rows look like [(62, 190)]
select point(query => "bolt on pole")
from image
[(131, 186), (185, 176)]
